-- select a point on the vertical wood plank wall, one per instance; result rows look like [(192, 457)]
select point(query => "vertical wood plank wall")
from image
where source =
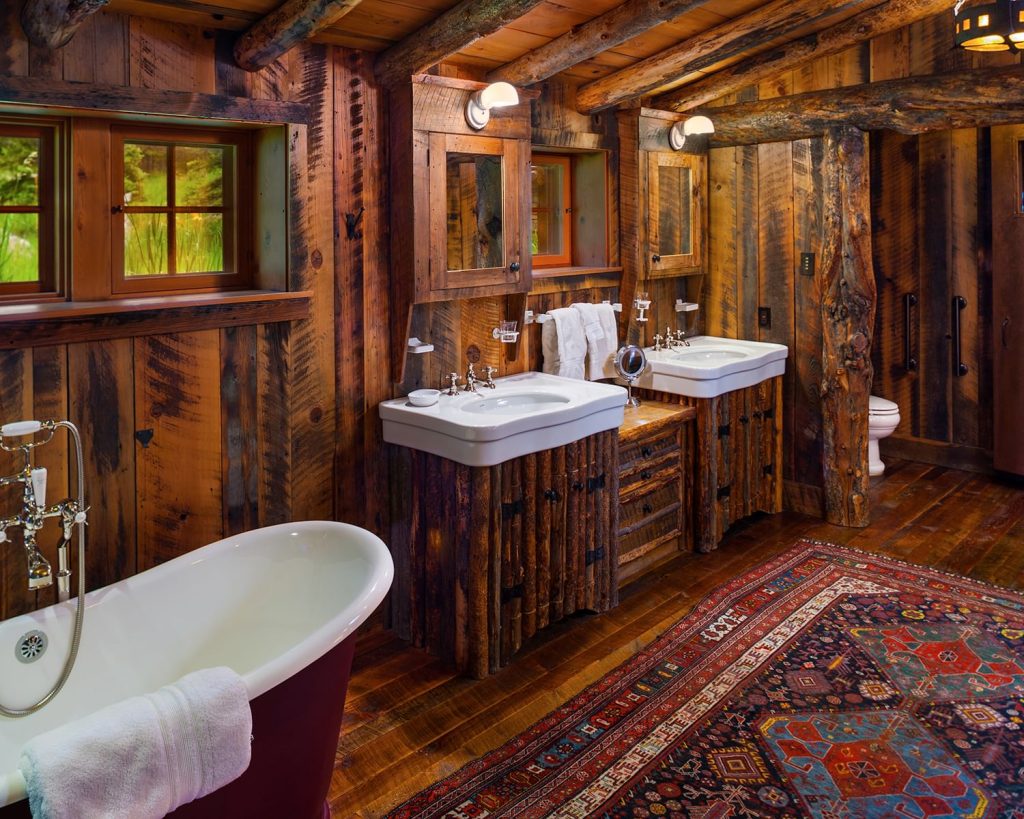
[(930, 222), (192, 436)]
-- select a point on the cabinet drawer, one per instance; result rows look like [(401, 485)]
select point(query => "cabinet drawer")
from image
[(648, 474), (648, 521), (633, 513), (635, 454)]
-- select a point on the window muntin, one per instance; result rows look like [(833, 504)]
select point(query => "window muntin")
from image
[(551, 209), (28, 249), (180, 206)]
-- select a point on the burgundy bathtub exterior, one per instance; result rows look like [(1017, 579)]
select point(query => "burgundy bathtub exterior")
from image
[(295, 728)]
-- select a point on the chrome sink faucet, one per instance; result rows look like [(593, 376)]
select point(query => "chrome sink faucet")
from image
[(472, 379), (34, 511), (675, 339)]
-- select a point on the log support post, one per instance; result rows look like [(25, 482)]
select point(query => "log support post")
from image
[(848, 315)]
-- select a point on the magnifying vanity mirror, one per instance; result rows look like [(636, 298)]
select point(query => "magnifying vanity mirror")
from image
[(630, 362)]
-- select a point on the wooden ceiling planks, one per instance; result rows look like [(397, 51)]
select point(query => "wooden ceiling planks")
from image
[(377, 25)]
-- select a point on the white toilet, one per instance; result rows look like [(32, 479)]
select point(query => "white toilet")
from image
[(883, 418)]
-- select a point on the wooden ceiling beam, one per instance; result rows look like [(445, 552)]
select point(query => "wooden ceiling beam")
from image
[(446, 35), (286, 26), (621, 23), (740, 36), (914, 105), (880, 20), (52, 23)]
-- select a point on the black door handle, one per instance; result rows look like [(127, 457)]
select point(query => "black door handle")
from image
[(959, 368), (909, 362)]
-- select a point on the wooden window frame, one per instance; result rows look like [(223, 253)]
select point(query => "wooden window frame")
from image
[(51, 134), (564, 259), (238, 213)]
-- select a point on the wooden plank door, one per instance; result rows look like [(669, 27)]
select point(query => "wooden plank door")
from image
[(1008, 295)]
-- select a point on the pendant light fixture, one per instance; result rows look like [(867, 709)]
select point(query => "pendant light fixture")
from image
[(994, 26)]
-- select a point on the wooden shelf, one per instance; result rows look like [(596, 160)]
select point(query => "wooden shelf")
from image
[(47, 323)]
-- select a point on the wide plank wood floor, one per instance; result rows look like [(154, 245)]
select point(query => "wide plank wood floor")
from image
[(408, 722)]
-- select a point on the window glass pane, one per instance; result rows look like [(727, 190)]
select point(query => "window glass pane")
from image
[(19, 247), (199, 175), (548, 214), (200, 242), (674, 219), (145, 244), (474, 211), (19, 170), (145, 174)]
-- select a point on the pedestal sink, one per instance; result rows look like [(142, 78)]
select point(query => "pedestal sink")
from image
[(524, 413), (712, 366)]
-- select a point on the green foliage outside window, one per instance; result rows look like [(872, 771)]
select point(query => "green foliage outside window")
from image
[(198, 185), (19, 232)]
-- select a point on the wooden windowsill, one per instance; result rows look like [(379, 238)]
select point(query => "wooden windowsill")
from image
[(63, 322), (548, 279)]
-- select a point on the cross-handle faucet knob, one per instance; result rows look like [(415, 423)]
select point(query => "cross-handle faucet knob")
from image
[(658, 338), (453, 384), (489, 372)]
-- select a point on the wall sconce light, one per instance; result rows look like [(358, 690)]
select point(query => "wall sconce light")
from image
[(989, 26), (495, 95), (694, 126)]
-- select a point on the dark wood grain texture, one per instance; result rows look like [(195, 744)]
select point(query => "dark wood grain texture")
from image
[(848, 313)]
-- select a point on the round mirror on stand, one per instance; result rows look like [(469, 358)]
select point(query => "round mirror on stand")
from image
[(630, 362)]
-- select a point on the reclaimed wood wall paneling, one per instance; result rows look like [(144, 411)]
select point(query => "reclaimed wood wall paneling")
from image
[(233, 412)]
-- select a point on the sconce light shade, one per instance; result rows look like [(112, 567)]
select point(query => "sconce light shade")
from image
[(694, 126), (495, 95), (989, 26)]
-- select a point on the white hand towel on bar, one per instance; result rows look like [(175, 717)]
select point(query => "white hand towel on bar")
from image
[(602, 334), (144, 756), (564, 343)]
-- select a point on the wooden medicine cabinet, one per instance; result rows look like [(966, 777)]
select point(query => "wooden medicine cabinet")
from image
[(675, 196), (664, 202), (460, 200)]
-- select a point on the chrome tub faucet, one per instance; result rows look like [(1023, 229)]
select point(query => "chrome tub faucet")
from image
[(34, 510)]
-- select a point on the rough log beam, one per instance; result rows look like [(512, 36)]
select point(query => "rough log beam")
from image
[(52, 23), (887, 17), (848, 313), (631, 19), (742, 35), (446, 35), (286, 26), (915, 105)]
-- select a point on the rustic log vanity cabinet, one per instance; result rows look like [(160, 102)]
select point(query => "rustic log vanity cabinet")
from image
[(737, 457), (486, 556)]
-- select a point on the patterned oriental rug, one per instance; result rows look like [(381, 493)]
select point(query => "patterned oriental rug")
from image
[(826, 683)]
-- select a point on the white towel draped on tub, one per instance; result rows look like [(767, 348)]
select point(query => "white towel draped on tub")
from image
[(563, 343), (602, 333), (144, 756)]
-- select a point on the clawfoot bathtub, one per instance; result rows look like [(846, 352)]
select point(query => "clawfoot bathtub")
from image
[(279, 605)]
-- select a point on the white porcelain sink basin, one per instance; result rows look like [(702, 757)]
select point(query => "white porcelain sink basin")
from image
[(524, 413), (517, 403), (711, 366)]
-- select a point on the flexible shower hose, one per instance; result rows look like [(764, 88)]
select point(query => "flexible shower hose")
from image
[(76, 638)]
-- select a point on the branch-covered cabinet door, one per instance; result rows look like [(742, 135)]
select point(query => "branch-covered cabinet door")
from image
[(476, 227), (675, 204)]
